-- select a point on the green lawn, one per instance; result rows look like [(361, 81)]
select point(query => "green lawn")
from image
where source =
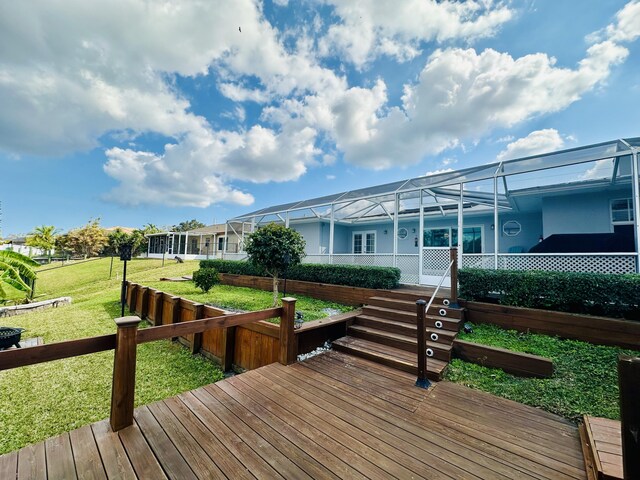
[(585, 379), (43, 400), (238, 298)]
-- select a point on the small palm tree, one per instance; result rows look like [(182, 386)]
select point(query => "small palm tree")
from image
[(17, 271), (43, 237)]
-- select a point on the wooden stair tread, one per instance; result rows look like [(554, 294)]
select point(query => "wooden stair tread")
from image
[(400, 315), (603, 444), (400, 337), (409, 305), (448, 334), (390, 356)]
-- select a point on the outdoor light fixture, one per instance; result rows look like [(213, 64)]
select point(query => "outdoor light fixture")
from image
[(125, 255)]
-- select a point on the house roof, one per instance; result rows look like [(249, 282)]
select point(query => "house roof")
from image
[(375, 200)]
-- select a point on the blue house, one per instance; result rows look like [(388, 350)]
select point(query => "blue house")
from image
[(571, 210)]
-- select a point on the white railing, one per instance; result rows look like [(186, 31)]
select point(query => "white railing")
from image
[(556, 262), (409, 265)]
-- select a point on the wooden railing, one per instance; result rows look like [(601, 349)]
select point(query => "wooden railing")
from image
[(125, 342)]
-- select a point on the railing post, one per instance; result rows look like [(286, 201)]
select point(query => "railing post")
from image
[(422, 381), (454, 278), (124, 373), (629, 385), (288, 345)]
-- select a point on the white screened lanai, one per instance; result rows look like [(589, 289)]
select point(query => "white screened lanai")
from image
[(572, 210)]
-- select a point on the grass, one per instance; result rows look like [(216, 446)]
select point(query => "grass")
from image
[(44, 400), (239, 298), (585, 379)]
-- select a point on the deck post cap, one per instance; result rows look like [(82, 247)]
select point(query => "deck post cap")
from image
[(421, 302), (129, 321)]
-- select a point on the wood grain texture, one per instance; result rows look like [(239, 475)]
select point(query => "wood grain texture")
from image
[(598, 330), (332, 416), (517, 363), (21, 357)]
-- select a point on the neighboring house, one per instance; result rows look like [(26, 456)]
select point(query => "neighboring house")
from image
[(19, 245), (201, 243), (572, 210)]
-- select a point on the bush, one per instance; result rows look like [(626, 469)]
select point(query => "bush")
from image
[(206, 278), (350, 275), (586, 293)]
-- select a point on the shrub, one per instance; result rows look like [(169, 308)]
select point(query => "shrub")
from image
[(206, 278), (590, 293), (349, 275)]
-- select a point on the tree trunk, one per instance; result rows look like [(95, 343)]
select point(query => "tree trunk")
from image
[(275, 290)]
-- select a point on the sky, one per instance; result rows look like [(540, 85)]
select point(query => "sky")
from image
[(140, 112)]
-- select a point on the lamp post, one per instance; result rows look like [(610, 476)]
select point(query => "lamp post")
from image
[(125, 255)]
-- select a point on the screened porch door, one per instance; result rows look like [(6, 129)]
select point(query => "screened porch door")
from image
[(436, 242)]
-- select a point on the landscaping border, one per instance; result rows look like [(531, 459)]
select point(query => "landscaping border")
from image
[(345, 295), (596, 330), (247, 346), (517, 363)]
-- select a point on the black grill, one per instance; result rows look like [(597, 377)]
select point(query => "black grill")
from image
[(9, 337)]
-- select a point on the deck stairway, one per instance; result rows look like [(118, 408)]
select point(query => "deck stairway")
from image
[(385, 332)]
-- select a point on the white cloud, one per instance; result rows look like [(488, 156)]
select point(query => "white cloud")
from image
[(370, 28), (69, 76), (539, 141), (463, 94), (627, 26), (330, 177)]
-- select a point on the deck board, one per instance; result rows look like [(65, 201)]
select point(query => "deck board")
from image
[(332, 416)]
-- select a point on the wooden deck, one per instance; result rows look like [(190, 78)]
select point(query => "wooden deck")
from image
[(332, 416), (602, 443)]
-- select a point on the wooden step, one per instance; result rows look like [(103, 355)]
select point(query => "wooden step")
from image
[(402, 328), (410, 306), (431, 321), (441, 351), (389, 356), (602, 447), (411, 295)]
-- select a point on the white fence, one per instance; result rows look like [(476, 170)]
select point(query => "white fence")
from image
[(555, 262), (409, 264)]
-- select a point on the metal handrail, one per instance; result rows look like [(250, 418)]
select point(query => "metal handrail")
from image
[(422, 380), (435, 292)]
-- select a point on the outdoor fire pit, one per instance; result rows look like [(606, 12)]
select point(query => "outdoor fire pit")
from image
[(10, 336)]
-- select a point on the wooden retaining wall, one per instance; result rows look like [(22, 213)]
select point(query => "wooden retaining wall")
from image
[(247, 346), (323, 291), (517, 363), (597, 330)]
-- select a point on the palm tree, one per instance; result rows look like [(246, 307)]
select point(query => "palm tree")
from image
[(17, 271), (43, 237)]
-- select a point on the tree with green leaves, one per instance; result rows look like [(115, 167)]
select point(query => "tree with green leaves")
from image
[(188, 225), (87, 241), (43, 237), (17, 271), (274, 248)]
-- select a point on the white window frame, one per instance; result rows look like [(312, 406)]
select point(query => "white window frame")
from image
[(364, 234), (629, 201)]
